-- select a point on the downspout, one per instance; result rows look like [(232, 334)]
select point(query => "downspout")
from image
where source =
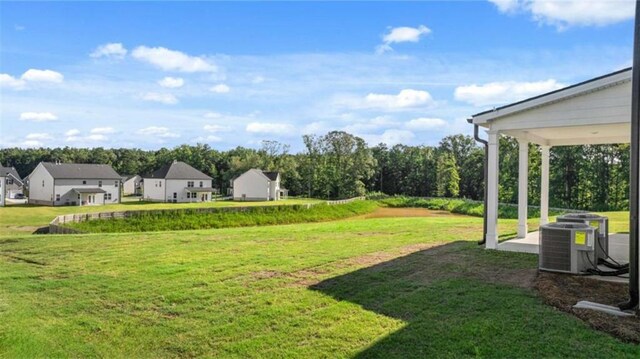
[(484, 181), (635, 171)]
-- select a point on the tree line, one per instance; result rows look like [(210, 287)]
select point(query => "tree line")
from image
[(340, 165)]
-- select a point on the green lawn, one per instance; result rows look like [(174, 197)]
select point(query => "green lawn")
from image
[(25, 219), (387, 287)]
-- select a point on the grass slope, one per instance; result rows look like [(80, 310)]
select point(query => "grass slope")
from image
[(16, 219), (362, 287), (185, 220)]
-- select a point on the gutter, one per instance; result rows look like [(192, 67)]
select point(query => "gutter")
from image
[(486, 174), (634, 198)]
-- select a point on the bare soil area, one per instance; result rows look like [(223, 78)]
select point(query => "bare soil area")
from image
[(563, 291), (388, 212)]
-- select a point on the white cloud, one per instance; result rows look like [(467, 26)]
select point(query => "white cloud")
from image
[(390, 137), (165, 98), (171, 82), (35, 75), (7, 80), (503, 92), (212, 115), (371, 125), (171, 60), (38, 116), (406, 98), (567, 13), (72, 132), (402, 34), (270, 128), (103, 130), (38, 136), (113, 50), (220, 88), (205, 139), (425, 124), (157, 131), (32, 143), (215, 128), (96, 137)]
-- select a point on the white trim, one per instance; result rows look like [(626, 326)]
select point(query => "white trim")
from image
[(523, 187), (555, 97)]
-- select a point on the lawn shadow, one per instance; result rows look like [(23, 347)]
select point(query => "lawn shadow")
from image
[(458, 300)]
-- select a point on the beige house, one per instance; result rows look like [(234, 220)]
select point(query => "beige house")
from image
[(258, 185)]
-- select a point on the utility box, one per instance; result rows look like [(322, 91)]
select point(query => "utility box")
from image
[(601, 246), (567, 247)]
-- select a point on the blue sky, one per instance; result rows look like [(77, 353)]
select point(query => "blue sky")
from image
[(159, 74)]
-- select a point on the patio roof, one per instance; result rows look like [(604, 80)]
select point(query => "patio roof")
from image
[(199, 189), (89, 190), (597, 111)]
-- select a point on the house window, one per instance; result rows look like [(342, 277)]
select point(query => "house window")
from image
[(57, 197), (9, 180), (84, 182), (99, 183), (160, 183), (42, 183), (107, 196), (78, 195), (116, 183), (200, 183), (190, 184)]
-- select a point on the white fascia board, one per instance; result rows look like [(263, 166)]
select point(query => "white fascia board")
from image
[(553, 97)]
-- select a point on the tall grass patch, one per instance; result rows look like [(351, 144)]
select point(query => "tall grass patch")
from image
[(461, 206), (226, 218)]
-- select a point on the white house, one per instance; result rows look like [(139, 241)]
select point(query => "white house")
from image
[(2, 186), (13, 184), (257, 185), (177, 182), (74, 184), (132, 185)]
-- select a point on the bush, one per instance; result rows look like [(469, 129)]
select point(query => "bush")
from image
[(225, 217), (461, 206)]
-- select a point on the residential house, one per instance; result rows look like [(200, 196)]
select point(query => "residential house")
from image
[(177, 182), (258, 185), (74, 184), (13, 182), (132, 185)]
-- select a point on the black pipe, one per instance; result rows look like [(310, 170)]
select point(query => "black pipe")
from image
[(486, 175), (635, 170)]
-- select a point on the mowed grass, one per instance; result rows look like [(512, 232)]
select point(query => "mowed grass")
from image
[(383, 287), (16, 219), (254, 216)]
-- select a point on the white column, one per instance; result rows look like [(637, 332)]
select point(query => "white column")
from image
[(544, 186), (523, 187), (492, 191)]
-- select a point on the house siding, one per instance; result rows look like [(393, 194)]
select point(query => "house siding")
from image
[(41, 186), (154, 189), (2, 191), (254, 186), (130, 186)]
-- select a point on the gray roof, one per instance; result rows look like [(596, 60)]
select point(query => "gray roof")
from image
[(178, 170), (81, 171), (271, 175), (89, 190), (4, 171)]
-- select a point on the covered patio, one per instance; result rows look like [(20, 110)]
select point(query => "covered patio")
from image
[(597, 111)]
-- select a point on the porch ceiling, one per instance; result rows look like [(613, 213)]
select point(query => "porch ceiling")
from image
[(575, 135)]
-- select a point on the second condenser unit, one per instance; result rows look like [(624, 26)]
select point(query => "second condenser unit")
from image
[(601, 246)]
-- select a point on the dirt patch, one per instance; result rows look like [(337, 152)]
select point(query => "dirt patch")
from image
[(388, 212), (563, 291)]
